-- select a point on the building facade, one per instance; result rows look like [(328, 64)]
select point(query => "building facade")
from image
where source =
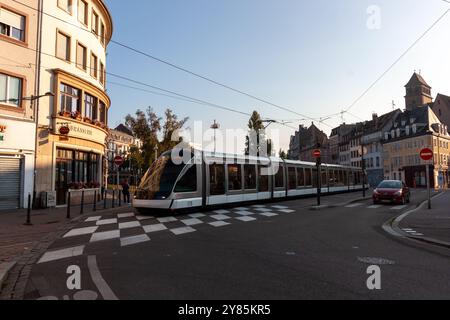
[(73, 126), (18, 59), (305, 141)]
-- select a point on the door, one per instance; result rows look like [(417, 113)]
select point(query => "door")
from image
[(10, 183)]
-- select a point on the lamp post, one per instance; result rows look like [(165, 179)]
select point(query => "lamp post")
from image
[(363, 161), (215, 126)]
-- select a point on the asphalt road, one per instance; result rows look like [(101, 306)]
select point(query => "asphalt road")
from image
[(303, 254)]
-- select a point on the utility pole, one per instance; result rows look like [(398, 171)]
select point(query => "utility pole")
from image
[(363, 161), (215, 126)]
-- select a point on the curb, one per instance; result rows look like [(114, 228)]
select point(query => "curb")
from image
[(4, 271), (393, 226), (327, 206), (16, 277)]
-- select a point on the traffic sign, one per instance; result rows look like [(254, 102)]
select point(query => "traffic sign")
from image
[(426, 154), (317, 153), (118, 161)]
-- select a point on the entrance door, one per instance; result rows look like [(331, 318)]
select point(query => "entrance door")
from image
[(64, 174), (10, 183)]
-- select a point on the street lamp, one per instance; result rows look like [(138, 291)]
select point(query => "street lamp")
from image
[(215, 126)]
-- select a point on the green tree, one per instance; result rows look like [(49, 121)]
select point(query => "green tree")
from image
[(282, 154), (257, 136)]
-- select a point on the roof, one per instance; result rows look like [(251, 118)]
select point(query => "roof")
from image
[(122, 128), (380, 122), (417, 79)]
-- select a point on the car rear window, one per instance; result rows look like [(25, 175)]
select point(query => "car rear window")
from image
[(390, 185)]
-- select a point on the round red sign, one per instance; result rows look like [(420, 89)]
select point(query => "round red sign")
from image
[(118, 161), (317, 153), (426, 154), (64, 130)]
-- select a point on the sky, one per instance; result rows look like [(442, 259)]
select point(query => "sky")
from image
[(312, 57)]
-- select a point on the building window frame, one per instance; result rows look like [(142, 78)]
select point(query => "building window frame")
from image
[(68, 49), (102, 73), (94, 66), (84, 66), (95, 23), (19, 107), (85, 16), (9, 38), (69, 9)]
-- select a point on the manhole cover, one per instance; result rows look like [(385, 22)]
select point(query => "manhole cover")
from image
[(376, 261)]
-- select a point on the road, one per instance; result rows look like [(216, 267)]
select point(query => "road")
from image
[(274, 251)]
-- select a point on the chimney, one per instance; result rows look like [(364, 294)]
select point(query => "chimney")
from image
[(375, 119)]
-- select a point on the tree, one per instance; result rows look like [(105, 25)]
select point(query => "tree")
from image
[(282, 154), (256, 139)]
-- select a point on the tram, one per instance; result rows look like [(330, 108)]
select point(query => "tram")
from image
[(194, 179)]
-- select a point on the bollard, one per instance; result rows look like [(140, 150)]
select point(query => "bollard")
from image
[(68, 205), (113, 200), (95, 201), (82, 202), (28, 223), (104, 199)]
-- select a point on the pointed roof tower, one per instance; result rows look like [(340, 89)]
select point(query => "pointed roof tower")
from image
[(418, 92)]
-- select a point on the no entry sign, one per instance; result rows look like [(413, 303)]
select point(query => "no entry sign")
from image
[(118, 161), (426, 154), (317, 153)]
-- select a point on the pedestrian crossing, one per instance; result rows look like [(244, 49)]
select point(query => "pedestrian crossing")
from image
[(362, 205)]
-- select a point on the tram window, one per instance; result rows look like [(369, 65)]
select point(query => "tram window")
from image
[(234, 177), (217, 179), (300, 177), (308, 180), (188, 183), (250, 177), (292, 175), (263, 179), (324, 178), (279, 177), (345, 177), (314, 178)]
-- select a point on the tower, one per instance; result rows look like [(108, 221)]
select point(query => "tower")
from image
[(418, 92)]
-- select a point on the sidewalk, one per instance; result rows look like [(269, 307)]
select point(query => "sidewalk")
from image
[(16, 238), (430, 225)]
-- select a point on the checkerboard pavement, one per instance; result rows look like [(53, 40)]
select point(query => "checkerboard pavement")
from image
[(128, 229)]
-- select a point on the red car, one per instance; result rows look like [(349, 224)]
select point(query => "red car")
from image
[(392, 191)]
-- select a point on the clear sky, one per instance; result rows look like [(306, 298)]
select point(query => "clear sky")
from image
[(315, 57)]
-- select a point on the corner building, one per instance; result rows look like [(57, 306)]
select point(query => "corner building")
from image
[(73, 126)]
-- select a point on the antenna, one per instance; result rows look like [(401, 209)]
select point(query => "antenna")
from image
[(393, 105)]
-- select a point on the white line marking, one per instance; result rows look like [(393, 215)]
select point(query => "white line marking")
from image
[(129, 225), (168, 219), (154, 228), (407, 229), (220, 217), (246, 219), (97, 278), (218, 224), (374, 207), (106, 222), (61, 254), (134, 240), (140, 218), (183, 230), (287, 211), (80, 232), (93, 219), (354, 205), (125, 215), (221, 211), (197, 215), (192, 222), (108, 235), (245, 213), (264, 210), (268, 214), (280, 207), (240, 209), (399, 207)]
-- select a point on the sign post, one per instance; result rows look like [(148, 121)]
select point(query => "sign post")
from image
[(427, 155), (318, 155), (118, 161)]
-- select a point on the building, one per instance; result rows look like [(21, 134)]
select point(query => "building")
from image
[(72, 127), (372, 140), (412, 131), (18, 58), (441, 107), (343, 134), (418, 92), (305, 141), (120, 142)]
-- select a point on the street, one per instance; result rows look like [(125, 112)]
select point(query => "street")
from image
[(271, 251)]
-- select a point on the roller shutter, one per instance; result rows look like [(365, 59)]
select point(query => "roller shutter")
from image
[(10, 182)]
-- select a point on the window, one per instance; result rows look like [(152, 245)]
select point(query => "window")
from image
[(102, 73), (102, 33), (66, 5), (292, 175), (102, 112), (188, 183), (279, 177), (94, 65), (10, 90), (83, 12), (300, 177), (234, 177), (263, 179), (308, 180), (81, 57), (90, 107), (94, 23), (12, 24), (250, 177), (216, 179), (63, 46), (69, 99)]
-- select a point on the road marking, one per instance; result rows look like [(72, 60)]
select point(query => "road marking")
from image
[(106, 222), (407, 229), (108, 235), (154, 228), (98, 280), (374, 207), (280, 207), (192, 222), (218, 224), (197, 215), (287, 211), (259, 206), (268, 214), (246, 219), (354, 205), (183, 230), (245, 213), (129, 225), (221, 211), (125, 215), (240, 209), (168, 219), (264, 210), (80, 232), (220, 217), (62, 254), (93, 219), (134, 240), (399, 207), (376, 261), (140, 218)]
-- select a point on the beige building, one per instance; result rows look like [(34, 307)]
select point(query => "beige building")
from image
[(73, 126), (18, 72)]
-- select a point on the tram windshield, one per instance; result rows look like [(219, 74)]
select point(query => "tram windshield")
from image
[(158, 182)]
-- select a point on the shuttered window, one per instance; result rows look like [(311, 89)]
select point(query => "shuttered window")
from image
[(63, 46), (12, 24), (10, 186)]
